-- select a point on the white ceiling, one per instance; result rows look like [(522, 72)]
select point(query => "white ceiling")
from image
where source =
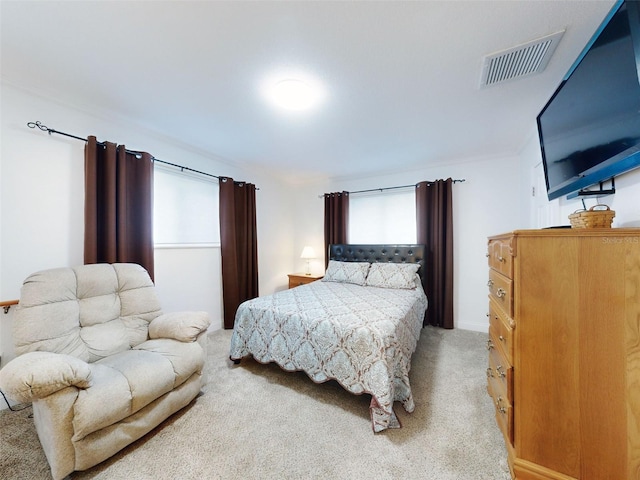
[(402, 78)]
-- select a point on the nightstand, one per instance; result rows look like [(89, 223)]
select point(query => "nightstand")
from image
[(297, 279)]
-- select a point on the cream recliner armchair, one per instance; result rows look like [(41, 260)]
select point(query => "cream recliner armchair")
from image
[(99, 360)]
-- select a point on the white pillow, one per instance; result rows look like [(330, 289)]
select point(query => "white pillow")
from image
[(392, 275), (346, 272)]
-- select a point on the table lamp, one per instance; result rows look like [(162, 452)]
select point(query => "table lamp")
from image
[(308, 253)]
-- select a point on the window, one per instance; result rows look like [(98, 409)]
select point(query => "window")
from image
[(383, 217), (185, 208)]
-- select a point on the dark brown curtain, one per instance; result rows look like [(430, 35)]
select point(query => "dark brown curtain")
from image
[(434, 225), (238, 244), (336, 220), (118, 207)]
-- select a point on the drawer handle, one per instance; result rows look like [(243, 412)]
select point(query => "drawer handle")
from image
[(501, 259), (490, 345), (489, 372), (500, 371), (490, 283), (500, 408), (487, 255), (501, 292), (501, 338)]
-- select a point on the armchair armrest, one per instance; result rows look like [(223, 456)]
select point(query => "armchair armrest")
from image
[(183, 326), (39, 374)]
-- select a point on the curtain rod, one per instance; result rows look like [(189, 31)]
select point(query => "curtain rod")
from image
[(393, 188), (44, 128)]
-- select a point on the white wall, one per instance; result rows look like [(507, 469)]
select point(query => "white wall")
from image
[(544, 213), (275, 205), (309, 222), (190, 279), (42, 202), (483, 205)]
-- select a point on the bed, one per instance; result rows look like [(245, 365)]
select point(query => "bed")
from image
[(359, 325)]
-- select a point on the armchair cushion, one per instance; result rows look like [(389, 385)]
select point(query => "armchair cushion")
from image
[(40, 374), (184, 358), (122, 384), (183, 326)]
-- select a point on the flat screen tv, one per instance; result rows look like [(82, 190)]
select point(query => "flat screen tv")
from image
[(590, 129)]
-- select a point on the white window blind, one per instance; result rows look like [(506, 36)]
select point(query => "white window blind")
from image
[(383, 217), (185, 208)]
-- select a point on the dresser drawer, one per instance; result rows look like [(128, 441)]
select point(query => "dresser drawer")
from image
[(502, 372), (500, 257), (502, 326), (501, 290), (504, 410)]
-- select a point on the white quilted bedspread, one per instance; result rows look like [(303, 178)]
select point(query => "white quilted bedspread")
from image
[(363, 337)]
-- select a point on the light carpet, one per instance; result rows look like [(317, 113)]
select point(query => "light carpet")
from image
[(256, 421)]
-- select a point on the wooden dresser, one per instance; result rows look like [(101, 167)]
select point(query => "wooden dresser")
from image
[(564, 351)]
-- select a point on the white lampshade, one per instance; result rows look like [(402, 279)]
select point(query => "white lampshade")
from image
[(308, 252)]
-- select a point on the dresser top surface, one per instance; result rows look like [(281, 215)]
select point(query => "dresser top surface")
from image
[(571, 232)]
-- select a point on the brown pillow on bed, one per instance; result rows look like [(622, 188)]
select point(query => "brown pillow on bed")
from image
[(392, 275), (346, 272)]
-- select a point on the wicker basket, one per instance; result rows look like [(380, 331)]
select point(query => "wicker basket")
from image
[(592, 218)]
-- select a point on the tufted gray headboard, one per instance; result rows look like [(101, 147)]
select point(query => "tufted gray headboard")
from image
[(407, 253)]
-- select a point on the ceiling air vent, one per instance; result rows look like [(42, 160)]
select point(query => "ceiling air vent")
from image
[(520, 61)]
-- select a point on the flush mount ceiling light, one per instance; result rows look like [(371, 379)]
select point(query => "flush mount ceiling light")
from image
[(294, 93)]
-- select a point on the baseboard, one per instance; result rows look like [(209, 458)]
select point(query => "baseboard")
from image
[(475, 327)]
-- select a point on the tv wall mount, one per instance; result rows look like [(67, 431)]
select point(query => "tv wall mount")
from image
[(599, 192)]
